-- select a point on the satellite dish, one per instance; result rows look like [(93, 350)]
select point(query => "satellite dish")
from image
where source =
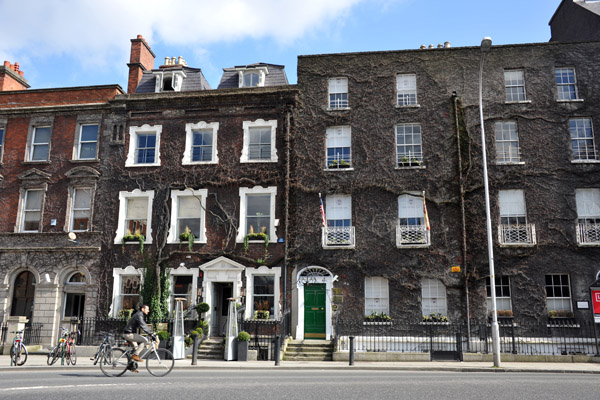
[(72, 236)]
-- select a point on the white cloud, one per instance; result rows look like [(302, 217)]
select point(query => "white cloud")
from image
[(95, 31)]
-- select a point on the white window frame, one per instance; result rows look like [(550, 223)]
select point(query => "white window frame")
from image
[(333, 134), (134, 131), (512, 210), (588, 216), (202, 194), (377, 295), (406, 85), (408, 230), (429, 300), (509, 84), (503, 299), (507, 133), (123, 197), (335, 86), (559, 299), (591, 155), (177, 78), (418, 157), (118, 274), (559, 85), (261, 71), (71, 208), (182, 270), (189, 141), (262, 271), (259, 123), (78, 141), (244, 193), (31, 145), (20, 227)]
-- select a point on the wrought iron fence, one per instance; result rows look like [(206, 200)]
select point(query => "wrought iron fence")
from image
[(3, 333), (91, 330), (553, 338), (31, 333)]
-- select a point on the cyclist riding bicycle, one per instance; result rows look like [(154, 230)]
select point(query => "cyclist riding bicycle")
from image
[(130, 332)]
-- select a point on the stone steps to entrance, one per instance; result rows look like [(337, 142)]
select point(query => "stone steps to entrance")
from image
[(309, 350), (211, 349)]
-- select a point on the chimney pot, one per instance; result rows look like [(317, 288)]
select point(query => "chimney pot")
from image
[(7, 64), (423, 47), (440, 46), (167, 60), (447, 45), (140, 37), (431, 46)]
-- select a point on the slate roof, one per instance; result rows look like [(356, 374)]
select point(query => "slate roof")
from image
[(593, 7), (275, 77), (194, 80)]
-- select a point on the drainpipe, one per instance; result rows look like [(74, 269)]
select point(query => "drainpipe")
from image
[(286, 210), (463, 218)]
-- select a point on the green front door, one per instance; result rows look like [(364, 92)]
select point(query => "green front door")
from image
[(314, 311)]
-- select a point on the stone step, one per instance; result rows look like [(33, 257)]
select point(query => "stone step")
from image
[(305, 357)]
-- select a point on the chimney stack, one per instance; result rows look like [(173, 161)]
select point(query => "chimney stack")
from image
[(11, 77), (140, 60)]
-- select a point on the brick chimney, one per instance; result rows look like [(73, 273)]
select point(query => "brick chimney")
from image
[(141, 59), (11, 78)]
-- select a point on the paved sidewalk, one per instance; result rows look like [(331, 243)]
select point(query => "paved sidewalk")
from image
[(35, 361)]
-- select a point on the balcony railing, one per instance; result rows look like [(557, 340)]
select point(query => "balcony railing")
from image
[(517, 235), (588, 233), (338, 237), (412, 235)]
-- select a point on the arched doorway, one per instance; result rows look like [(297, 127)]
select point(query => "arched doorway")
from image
[(23, 294), (313, 286), (74, 296)]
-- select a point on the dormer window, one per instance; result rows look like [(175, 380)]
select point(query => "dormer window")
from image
[(168, 81), (252, 77)]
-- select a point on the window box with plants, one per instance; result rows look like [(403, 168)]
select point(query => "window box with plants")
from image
[(134, 237), (435, 318), (505, 317), (405, 161), (261, 236), (562, 318), (262, 310), (338, 164), (187, 236), (378, 319)]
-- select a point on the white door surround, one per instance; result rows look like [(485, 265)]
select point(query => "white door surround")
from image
[(311, 275)]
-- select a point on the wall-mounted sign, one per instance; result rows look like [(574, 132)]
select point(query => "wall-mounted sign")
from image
[(455, 268), (583, 305), (596, 301)]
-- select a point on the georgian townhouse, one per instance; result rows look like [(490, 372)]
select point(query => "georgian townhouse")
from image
[(50, 151), (391, 143), (200, 175)]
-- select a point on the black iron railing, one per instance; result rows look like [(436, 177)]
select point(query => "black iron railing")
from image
[(556, 337), (31, 333), (91, 330)]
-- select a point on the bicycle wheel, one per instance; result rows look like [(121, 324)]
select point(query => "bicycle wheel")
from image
[(73, 355), (18, 355), (53, 356), (68, 355), (114, 362), (160, 362)]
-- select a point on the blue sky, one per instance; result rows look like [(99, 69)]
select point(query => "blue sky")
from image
[(60, 43)]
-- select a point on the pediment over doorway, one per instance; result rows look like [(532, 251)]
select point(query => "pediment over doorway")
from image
[(222, 264)]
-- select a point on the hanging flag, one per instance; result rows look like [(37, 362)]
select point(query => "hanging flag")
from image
[(425, 213), (324, 220)]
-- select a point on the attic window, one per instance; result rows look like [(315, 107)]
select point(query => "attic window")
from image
[(169, 81), (252, 77)]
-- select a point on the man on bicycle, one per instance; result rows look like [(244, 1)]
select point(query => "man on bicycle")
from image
[(130, 332)]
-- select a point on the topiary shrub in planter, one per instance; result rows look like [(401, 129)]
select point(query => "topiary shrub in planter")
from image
[(164, 338), (243, 339), (202, 308)]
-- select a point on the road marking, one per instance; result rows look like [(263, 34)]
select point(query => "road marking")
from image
[(78, 386)]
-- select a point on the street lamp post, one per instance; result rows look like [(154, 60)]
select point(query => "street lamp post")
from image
[(486, 44)]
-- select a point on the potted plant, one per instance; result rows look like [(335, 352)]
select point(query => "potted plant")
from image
[(338, 164), (202, 308), (242, 341), (187, 236), (435, 317), (164, 337), (134, 237)]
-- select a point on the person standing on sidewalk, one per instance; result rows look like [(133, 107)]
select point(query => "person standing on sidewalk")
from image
[(130, 332)]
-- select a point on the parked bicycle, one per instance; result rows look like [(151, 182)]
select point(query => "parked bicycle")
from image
[(18, 351), (104, 348), (159, 362), (64, 348)]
